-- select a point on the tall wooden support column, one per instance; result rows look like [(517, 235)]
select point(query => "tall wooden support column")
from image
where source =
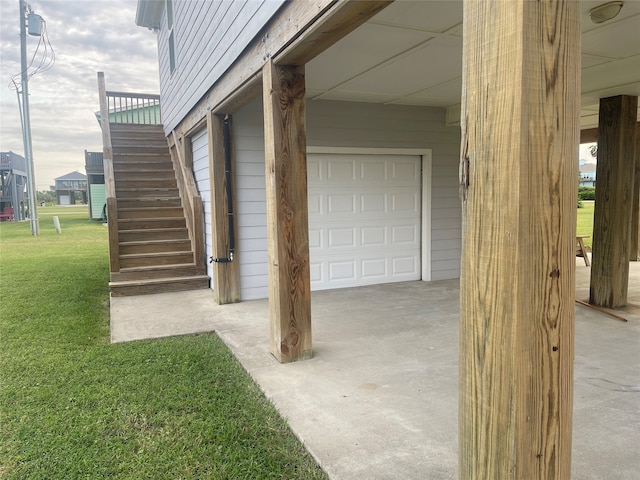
[(520, 136), (287, 212), (635, 205), (226, 274), (614, 193)]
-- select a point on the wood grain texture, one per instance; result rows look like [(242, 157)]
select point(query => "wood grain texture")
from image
[(612, 215), (226, 276), (520, 134), (287, 212), (109, 178)]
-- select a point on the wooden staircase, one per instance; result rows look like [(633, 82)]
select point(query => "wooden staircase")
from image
[(154, 252)]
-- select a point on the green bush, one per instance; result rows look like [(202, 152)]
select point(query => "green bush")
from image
[(586, 193)]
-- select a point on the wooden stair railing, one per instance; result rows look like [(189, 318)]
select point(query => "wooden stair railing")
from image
[(109, 179), (193, 202), (147, 252)]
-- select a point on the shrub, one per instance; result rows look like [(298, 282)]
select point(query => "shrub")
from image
[(586, 193)]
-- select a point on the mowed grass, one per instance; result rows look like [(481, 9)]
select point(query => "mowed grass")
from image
[(585, 221), (74, 406)]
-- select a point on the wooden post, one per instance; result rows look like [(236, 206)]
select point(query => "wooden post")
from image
[(520, 134), (635, 205), (109, 178), (226, 275), (614, 192), (287, 213)]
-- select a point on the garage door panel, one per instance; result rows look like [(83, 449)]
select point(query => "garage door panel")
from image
[(342, 270), (314, 203), (364, 219), (374, 268), (373, 203), (373, 171), (374, 236), (396, 233), (339, 203), (315, 238), (405, 266), (405, 171), (339, 170), (342, 237), (404, 202), (405, 235)]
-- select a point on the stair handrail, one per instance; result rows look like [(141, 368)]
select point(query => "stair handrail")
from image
[(109, 179), (193, 206)]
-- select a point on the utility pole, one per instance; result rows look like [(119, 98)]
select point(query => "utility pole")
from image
[(26, 123)]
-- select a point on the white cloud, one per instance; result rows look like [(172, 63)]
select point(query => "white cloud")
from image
[(87, 37)]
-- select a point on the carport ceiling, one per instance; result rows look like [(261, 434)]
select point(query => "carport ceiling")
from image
[(411, 54)]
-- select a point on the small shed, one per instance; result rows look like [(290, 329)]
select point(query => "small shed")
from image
[(95, 184)]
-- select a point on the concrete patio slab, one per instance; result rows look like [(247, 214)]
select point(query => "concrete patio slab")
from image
[(379, 398)]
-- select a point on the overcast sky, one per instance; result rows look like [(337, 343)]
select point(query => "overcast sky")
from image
[(87, 37)]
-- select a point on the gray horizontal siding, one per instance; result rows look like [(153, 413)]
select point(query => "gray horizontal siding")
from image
[(209, 37), (347, 124)]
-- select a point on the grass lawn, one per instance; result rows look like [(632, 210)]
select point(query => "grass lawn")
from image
[(585, 221), (74, 406)]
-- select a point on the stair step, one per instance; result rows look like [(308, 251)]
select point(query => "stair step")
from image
[(157, 271), (155, 246), (127, 159), (145, 167), (150, 223), (141, 177), (150, 212), (155, 259), (129, 192), (158, 285), (145, 183), (155, 249), (145, 234), (154, 202), (139, 149), (138, 127)]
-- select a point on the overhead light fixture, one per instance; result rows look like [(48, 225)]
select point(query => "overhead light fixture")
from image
[(605, 12)]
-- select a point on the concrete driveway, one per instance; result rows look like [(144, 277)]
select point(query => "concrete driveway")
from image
[(379, 399)]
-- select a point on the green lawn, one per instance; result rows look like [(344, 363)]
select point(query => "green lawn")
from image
[(74, 406), (585, 221)]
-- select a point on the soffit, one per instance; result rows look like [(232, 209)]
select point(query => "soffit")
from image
[(411, 54)]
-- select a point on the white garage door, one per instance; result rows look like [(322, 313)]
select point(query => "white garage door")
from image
[(364, 219), (200, 155)]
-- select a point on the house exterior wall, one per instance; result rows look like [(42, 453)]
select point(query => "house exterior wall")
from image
[(348, 124), (204, 33)]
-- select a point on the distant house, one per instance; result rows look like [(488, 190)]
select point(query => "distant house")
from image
[(13, 182), (95, 184), (71, 188), (587, 174)]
